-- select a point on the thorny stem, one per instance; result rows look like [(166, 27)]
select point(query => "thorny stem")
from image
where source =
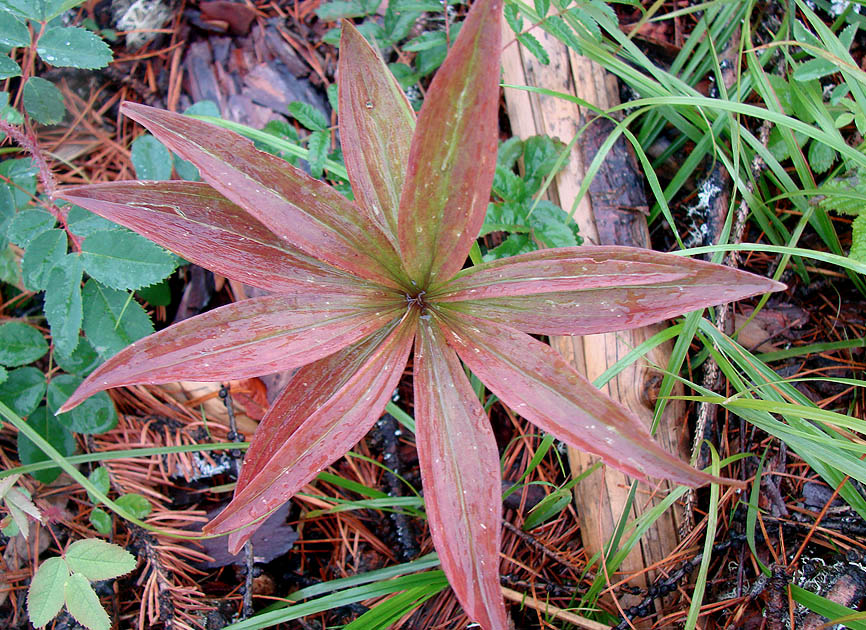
[(49, 184)]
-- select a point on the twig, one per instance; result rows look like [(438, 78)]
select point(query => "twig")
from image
[(553, 611)]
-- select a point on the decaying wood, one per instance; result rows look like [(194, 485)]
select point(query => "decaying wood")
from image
[(612, 213)]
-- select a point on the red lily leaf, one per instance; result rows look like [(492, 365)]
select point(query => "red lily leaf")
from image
[(460, 471), (534, 380), (245, 339), (453, 154), (325, 409), (199, 224), (587, 290), (376, 124), (301, 210)]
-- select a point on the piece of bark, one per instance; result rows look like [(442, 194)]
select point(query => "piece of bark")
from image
[(612, 213)]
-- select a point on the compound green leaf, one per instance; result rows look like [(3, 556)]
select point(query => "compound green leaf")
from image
[(20, 344), (43, 253), (112, 318), (45, 595), (83, 359), (308, 116), (70, 46), (150, 158), (55, 433), (96, 559), (43, 101), (317, 144), (22, 390), (83, 603), (27, 225), (13, 33), (95, 415), (82, 222), (63, 307), (8, 68), (125, 260)]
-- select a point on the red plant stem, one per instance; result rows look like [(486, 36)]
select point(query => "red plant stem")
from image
[(49, 184)]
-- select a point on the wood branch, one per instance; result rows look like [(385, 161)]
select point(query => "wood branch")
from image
[(614, 212)]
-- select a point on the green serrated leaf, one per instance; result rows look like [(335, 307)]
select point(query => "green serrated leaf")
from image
[(96, 559), (185, 170), (43, 101), (82, 361), (150, 159), (45, 595), (95, 415), (814, 69), (844, 194), (158, 294), (505, 217), (55, 433), (552, 226), (511, 246), (100, 478), (112, 319), (101, 521), (821, 156), (135, 504), (534, 47), (512, 17), (308, 116), (43, 253), (124, 260), (23, 390), (8, 68), (425, 41), (508, 185), (19, 517), (509, 152), (63, 308), (13, 33), (3, 375), (540, 155), (83, 222), (858, 239), (27, 225), (318, 144), (83, 603), (542, 7), (70, 46), (20, 344)]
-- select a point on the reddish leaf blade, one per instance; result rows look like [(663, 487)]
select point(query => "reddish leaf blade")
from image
[(376, 125), (301, 210), (535, 381), (453, 152), (199, 224), (249, 338), (325, 409), (587, 290), (460, 470)]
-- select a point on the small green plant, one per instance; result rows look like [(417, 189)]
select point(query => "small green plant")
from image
[(65, 581), (35, 25), (846, 194), (133, 504), (527, 221), (19, 505)]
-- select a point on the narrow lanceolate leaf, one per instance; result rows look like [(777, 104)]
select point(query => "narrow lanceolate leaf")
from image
[(245, 339), (199, 224), (376, 124), (453, 153), (299, 209), (460, 470), (534, 380), (325, 409), (45, 596), (587, 290)]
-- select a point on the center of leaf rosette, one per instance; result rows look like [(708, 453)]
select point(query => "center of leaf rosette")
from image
[(418, 301)]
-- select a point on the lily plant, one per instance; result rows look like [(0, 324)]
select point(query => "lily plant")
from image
[(354, 286)]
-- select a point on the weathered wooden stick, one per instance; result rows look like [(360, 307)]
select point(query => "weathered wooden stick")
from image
[(613, 213)]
